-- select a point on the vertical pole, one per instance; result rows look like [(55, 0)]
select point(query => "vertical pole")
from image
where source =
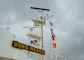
[(56, 56), (28, 51), (28, 54), (40, 15), (28, 43), (50, 50), (51, 47), (42, 40)]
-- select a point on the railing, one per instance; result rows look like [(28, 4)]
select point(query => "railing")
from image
[(48, 56), (53, 56)]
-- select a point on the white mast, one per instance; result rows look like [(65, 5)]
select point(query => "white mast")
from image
[(40, 22)]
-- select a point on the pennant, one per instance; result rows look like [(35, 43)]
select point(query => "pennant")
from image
[(53, 38), (53, 35), (54, 45), (51, 23), (52, 32)]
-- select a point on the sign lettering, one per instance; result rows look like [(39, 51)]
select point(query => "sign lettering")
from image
[(19, 45)]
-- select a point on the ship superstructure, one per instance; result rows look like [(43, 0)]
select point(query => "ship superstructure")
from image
[(10, 49)]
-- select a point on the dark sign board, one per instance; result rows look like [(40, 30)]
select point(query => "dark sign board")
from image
[(19, 45)]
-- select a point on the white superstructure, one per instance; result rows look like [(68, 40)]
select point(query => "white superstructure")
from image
[(7, 52), (14, 50)]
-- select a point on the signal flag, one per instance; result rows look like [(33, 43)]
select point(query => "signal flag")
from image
[(54, 45)]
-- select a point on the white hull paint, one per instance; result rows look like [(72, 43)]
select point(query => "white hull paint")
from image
[(7, 52)]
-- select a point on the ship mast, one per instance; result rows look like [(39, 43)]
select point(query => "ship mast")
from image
[(40, 21)]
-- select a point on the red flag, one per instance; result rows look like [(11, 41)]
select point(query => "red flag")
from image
[(53, 38), (54, 45), (53, 35)]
